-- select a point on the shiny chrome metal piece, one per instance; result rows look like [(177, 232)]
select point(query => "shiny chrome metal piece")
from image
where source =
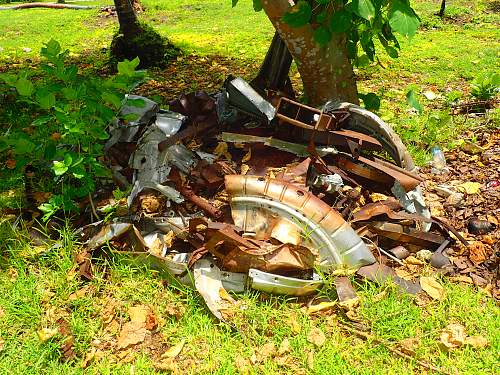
[(257, 204), (276, 284)]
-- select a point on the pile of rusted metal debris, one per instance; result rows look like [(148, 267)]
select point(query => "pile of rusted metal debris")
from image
[(228, 192)]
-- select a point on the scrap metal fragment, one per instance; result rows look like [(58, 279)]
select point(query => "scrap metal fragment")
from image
[(277, 284), (419, 238), (322, 228), (369, 123), (208, 282), (239, 254), (143, 114), (381, 274), (167, 191), (245, 99), (345, 290)]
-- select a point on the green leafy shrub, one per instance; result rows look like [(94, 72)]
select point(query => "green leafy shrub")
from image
[(57, 123), (486, 86)]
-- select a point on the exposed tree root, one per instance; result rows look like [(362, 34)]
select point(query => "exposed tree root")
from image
[(45, 5)]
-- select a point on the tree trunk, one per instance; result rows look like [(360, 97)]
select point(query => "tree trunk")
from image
[(127, 18), (326, 72), (441, 11)]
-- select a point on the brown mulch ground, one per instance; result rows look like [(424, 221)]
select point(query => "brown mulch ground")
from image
[(479, 263)]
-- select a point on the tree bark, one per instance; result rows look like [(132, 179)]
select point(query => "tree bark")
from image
[(127, 18), (441, 11), (326, 72)]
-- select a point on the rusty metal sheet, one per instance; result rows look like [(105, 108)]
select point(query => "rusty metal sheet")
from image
[(381, 274), (419, 238), (239, 254)]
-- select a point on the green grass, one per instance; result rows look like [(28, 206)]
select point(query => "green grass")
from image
[(44, 283), (443, 56)]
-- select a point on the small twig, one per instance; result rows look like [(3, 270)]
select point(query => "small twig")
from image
[(94, 212), (389, 347)]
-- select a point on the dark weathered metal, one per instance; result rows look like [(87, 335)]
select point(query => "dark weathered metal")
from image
[(273, 73)]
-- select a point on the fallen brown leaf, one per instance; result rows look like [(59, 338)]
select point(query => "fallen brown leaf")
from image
[(175, 350), (316, 337), (88, 358), (138, 313), (242, 364), (284, 347), (477, 342), (431, 286), (132, 333), (266, 351), (453, 336), (477, 252), (247, 156), (409, 345)]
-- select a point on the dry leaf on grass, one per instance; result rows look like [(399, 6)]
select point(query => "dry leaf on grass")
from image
[(310, 359), (2, 344), (409, 345), (316, 337), (45, 334), (88, 358), (243, 365), (431, 286), (132, 333), (453, 336), (477, 342), (266, 351), (284, 347), (294, 324), (175, 350), (138, 313), (322, 306)]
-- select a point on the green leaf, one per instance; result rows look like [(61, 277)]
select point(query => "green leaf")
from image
[(412, 100), (362, 60), (298, 15), (364, 8), (69, 93), (341, 21), (402, 18), (127, 67), (59, 167), (51, 49), (139, 103), (68, 159), (322, 35), (9, 79), (371, 101), (45, 98), (21, 145), (321, 17), (257, 5), (234, 2), (24, 87), (112, 99)]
